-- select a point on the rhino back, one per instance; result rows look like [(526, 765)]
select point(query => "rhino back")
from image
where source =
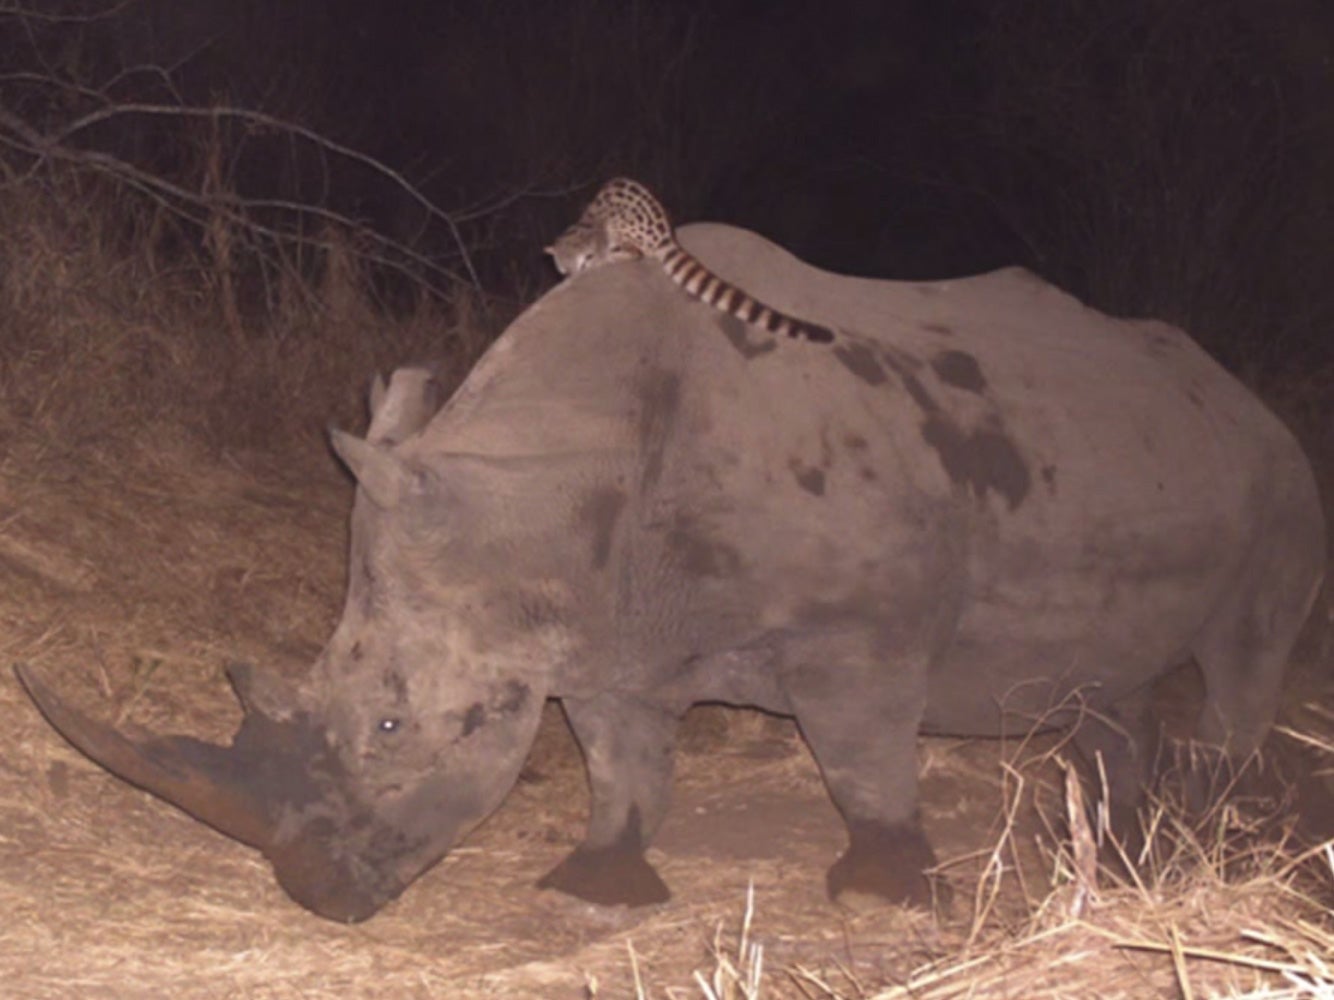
[(1120, 476), (1047, 489)]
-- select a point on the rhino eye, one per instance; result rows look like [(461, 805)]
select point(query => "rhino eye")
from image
[(389, 725)]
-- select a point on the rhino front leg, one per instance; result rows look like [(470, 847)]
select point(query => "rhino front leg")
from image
[(627, 747), (862, 732)]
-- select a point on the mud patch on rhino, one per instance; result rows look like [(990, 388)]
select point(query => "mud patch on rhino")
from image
[(738, 335), (598, 512), (659, 400), (809, 478), (1049, 477), (859, 607), (509, 699), (961, 370), (983, 458), (861, 361), (699, 554)]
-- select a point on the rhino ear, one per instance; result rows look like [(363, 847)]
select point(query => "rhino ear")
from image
[(404, 405), (378, 389), (384, 477)]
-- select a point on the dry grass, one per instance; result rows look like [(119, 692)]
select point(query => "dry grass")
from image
[(1210, 920), (110, 329)]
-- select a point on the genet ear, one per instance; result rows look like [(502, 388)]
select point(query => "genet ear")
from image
[(385, 478)]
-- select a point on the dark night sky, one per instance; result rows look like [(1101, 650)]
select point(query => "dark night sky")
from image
[(1161, 156)]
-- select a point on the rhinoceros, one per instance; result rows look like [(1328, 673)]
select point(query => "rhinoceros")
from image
[(982, 505)]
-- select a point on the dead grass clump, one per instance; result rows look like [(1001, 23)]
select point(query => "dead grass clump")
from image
[(77, 340), (1199, 935), (114, 320), (1215, 908)]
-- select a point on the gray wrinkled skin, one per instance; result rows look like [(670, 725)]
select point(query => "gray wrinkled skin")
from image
[(984, 495)]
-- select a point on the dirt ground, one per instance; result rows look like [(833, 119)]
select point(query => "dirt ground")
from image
[(133, 570)]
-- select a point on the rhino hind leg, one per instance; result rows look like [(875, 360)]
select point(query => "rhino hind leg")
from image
[(1243, 653), (884, 860), (627, 747), (1120, 745), (863, 735)]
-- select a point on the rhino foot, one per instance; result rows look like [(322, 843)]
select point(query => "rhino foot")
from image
[(608, 876), (887, 861)]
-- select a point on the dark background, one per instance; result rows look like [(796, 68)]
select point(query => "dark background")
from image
[(1162, 157)]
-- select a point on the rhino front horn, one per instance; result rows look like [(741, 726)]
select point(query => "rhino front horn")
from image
[(201, 778)]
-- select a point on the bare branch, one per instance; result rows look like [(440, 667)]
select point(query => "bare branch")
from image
[(260, 119), (58, 146)]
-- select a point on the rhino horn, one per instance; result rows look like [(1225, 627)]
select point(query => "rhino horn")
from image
[(262, 691), (202, 779)]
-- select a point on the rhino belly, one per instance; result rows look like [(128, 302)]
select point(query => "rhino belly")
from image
[(1023, 648)]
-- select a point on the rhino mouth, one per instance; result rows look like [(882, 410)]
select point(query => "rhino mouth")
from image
[(349, 872), (315, 871), (277, 787)]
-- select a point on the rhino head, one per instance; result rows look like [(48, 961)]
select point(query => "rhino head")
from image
[(347, 823), (410, 728)]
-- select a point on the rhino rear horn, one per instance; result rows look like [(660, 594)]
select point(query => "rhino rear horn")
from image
[(264, 692), (202, 779)]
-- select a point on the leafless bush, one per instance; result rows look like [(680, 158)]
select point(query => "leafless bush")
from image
[(145, 277)]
